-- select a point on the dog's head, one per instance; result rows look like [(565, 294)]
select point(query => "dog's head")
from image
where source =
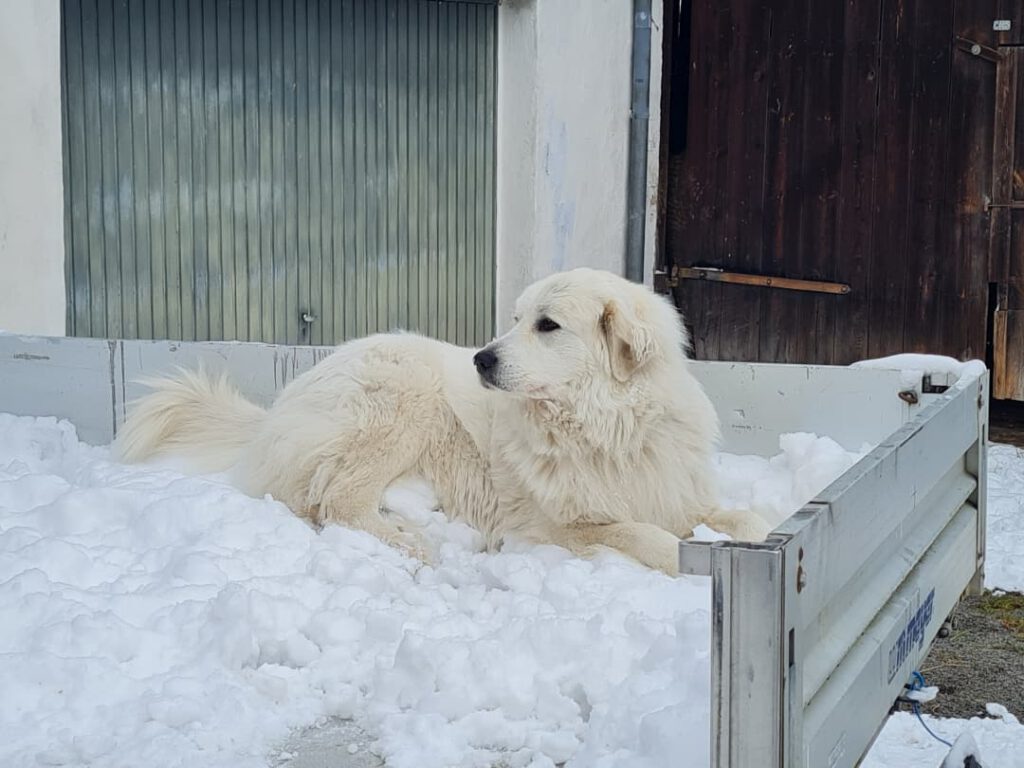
[(578, 328)]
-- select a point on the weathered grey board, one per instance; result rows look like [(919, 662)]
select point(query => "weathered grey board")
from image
[(234, 167)]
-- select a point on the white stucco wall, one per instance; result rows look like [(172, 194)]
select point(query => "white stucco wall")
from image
[(563, 136), (31, 172)]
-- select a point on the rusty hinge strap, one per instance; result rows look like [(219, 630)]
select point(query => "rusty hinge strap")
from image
[(1015, 204), (764, 281), (978, 49)]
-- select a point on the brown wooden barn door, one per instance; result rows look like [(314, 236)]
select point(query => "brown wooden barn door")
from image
[(754, 178), (1006, 254), (833, 173)]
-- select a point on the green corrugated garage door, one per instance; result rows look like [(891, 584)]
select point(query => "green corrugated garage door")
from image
[(279, 170)]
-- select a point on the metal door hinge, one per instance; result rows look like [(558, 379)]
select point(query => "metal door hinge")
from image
[(664, 281)]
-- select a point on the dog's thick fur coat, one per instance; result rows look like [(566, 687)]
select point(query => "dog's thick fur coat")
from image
[(583, 428)]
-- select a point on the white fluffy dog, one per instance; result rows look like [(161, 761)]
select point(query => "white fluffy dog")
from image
[(580, 427)]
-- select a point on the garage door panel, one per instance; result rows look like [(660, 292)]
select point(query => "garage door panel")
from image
[(296, 171)]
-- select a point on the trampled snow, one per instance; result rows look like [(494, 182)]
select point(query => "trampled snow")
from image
[(149, 618)]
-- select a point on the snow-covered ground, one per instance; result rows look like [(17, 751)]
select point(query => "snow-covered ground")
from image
[(148, 618)]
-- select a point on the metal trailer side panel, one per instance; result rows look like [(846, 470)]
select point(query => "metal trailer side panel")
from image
[(840, 624), (757, 402), (884, 552), (869, 505), (842, 720), (71, 380), (91, 382)]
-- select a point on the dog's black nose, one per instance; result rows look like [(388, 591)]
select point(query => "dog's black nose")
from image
[(484, 360)]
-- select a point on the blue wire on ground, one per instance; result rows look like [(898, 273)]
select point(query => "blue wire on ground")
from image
[(917, 711), (918, 685)]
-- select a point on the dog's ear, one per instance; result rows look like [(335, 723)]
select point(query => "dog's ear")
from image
[(630, 338)]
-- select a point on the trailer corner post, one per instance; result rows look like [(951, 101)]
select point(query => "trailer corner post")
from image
[(977, 465), (749, 656)]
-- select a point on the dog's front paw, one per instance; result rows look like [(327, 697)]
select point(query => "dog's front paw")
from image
[(412, 545)]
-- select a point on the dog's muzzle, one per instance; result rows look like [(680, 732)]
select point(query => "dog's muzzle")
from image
[(486, 363)]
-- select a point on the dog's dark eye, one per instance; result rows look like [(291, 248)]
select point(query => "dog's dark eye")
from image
[(547, 325)]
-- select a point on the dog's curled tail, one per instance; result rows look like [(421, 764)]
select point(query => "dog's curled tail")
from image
[(201, 419)]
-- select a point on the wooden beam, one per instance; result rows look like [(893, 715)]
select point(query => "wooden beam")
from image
[(763, 281)]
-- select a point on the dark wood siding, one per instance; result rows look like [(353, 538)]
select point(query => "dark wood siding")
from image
[(844, 142)]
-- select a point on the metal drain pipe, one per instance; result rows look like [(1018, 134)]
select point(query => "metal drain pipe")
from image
[(639, 115)]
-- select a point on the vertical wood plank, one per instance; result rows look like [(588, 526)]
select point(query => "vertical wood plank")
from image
[(820, 169), (852, 248), (781, 313), (971, 121), (930, 303), (745, 110)]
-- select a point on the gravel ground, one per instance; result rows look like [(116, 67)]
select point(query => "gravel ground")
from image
[(982, 659)]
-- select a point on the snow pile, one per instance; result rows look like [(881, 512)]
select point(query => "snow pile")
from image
[(1004, 557), (775, 488), (150, 618), (914, 367)]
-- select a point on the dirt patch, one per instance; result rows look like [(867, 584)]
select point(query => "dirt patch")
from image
[(982, 659)]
